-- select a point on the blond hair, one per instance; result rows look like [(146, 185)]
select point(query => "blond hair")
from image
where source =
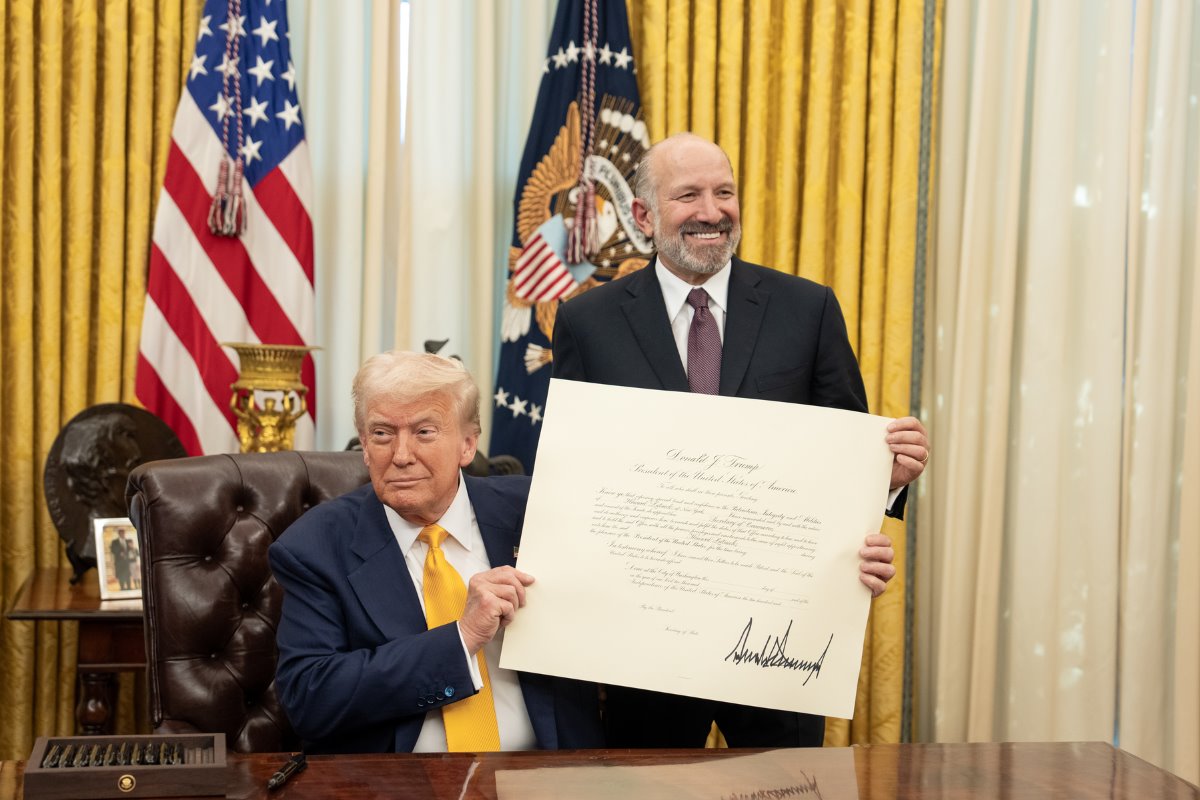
[(407, 377)]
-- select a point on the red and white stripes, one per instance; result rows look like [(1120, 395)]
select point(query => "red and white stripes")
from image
[(540, 274), (205, 289)]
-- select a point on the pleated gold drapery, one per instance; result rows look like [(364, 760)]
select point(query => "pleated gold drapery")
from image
[(819, 105), (88, 90)]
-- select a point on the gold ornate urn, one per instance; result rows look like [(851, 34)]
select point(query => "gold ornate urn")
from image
[(268, 396)]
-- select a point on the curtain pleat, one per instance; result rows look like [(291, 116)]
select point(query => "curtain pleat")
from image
[(704, 44), (105, 246), (782, 239), (972, 323), (818, 104), (732, 44), (1158, 632), (25, 646), (1185, 676), (88, 91)]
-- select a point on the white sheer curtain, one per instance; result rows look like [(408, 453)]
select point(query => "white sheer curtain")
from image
[(411, 232), (1058, 559), (1160, 616)]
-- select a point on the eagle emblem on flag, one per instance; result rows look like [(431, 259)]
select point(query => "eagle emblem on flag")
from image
[(539, 275), (573, 225)]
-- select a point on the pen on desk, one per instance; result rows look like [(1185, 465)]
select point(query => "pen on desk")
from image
[(295, 764)]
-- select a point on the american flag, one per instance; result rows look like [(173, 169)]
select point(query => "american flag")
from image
[(204, 289)]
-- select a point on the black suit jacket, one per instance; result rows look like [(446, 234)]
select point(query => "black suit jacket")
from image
[(785, 339)]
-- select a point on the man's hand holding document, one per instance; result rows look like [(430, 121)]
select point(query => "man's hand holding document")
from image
[(701, 545)]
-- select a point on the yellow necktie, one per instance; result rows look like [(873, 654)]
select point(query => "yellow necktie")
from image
[(470, 723)]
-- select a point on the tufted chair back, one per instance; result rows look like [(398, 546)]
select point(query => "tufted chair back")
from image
[(211, 605)]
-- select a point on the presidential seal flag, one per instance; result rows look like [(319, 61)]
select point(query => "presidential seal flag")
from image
[(232, 253), (574, 226)]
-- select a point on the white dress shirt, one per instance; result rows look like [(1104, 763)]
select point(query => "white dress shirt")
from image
[(465, 551)]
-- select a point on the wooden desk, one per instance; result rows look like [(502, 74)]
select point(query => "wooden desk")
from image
[(877, 772), (111, 639)]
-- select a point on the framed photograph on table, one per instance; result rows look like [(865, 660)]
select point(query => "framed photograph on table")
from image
[(118, 558)]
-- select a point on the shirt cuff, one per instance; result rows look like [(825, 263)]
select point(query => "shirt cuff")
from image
[(473, 663), (892, 495)]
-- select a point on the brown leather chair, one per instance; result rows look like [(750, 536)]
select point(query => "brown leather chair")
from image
[(211, 604)]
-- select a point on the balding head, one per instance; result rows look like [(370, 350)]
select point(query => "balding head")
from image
[(686, 201), (644, 180)]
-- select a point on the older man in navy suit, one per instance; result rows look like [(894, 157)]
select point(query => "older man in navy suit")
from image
[(396, 594), (700, 319)]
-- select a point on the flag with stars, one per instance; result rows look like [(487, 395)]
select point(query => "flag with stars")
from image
[(254, 283), (541, 274)]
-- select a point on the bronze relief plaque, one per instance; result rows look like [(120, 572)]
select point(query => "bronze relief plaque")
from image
[(89, 464)]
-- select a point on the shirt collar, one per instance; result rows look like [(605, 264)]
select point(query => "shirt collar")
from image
[(675, 290), (457, 521)]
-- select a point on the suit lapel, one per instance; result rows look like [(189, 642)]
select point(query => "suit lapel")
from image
[(743, 318), (496, 520), (381, 581), (647, 316)]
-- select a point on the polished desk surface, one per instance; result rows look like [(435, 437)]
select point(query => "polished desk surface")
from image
[(49, 594), (875, 772)]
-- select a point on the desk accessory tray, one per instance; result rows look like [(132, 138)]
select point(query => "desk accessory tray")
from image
[(195, 766)]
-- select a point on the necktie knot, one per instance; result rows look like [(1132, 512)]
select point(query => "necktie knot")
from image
[(433, 535), (697, 298)]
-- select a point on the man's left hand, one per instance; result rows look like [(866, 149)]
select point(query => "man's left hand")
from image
[(876, 569), (910, 447)]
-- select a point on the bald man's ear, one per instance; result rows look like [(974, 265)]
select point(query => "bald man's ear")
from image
[(643, 216)]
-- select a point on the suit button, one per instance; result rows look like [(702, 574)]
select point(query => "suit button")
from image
[(420, 702), (448, 691), (431, 699)]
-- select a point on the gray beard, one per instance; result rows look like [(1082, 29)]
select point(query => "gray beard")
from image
[(675, 250)]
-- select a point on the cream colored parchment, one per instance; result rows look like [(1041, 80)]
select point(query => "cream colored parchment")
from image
[(700, 545)]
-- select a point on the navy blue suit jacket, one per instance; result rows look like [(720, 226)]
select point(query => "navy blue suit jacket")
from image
[(358, 669)]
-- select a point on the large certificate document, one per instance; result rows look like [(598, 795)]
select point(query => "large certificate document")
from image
[(700, 545)]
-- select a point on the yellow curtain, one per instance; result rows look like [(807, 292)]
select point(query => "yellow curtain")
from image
[(819, 105), (88, 90)]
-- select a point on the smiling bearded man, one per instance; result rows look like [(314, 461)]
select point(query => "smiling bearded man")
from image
[(689, 208), (700, 319)]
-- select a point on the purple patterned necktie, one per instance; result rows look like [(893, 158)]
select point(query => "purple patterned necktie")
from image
[(704, 346)]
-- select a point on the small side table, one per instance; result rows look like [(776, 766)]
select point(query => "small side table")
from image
[(111, 637)]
